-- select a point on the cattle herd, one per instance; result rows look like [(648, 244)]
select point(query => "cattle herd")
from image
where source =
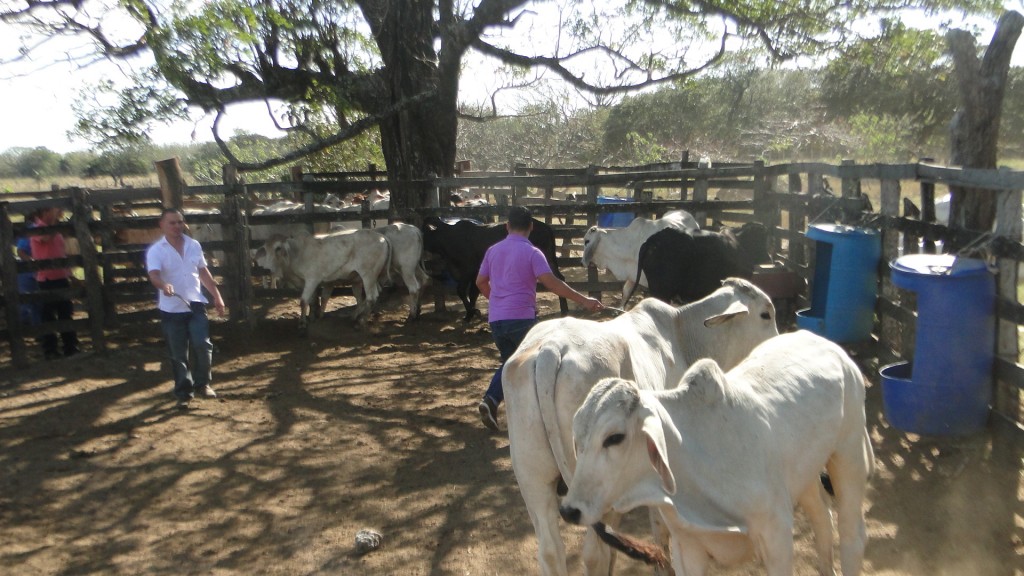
[(690, 404)]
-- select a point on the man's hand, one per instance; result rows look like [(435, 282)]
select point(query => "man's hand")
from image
[(169, 289)]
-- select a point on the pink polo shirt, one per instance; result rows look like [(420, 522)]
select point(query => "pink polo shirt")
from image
[(513, 266), (47, 247)]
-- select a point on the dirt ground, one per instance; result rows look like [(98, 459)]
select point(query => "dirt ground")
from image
[(315, 438)]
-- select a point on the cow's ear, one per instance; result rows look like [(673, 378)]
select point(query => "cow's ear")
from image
[(655, 437), (704, 382), (734, 309), (260, 253)]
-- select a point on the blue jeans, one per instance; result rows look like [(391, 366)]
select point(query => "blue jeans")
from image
[(508, 334), (182, 330)]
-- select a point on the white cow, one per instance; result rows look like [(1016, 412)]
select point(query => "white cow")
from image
[(549, 375), (406, 242), (725, 457), (302, 259), (616, 249)]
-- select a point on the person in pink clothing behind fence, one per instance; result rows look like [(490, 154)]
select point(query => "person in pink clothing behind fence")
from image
[(46, 247), (508, 279)]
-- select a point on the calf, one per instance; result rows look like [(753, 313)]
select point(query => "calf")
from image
[(616, 249), (301, 259), (725, 457), (549, 375), (462, 246)]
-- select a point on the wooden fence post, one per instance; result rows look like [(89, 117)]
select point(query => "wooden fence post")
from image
[(1006, 399), (797, 251), (684, 183), (517, 191), (172, 182), (9, 270), (592, 193), (928, 208), (849, 187), (296, 174), (81, 216), (237, 266), (107, 244), (765, 210), (890, 334), (700, 193)]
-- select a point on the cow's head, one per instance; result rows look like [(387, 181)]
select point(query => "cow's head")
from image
[(622, 461), (590, 241)]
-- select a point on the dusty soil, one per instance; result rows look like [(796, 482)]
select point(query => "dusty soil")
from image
[(315, 438)]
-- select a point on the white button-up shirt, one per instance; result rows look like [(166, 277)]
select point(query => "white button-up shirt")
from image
[(178, 270)]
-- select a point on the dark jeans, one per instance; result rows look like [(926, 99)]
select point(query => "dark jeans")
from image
[(54, 310), (183, 331), (508, 334)]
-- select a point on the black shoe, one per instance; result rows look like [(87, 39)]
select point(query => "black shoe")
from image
[(51, 355), (182, 404), (488, 413), (71, 352)]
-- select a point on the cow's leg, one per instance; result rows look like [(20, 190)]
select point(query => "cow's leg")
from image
[(371, 292), (462, 289), (689, 557), (537, 475), (813, 503), (773, 539), (412, 283), (627, 291), (474, 292), (849, 468), (661, 536), (598, 559)]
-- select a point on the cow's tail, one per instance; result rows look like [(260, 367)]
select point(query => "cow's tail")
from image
[(639, 272), (650, 554), (388, 259), (545, 377)]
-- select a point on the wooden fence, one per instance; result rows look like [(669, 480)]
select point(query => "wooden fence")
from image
[(786, 197)]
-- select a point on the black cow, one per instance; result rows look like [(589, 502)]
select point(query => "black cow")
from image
[(462, 244), (686, 265)]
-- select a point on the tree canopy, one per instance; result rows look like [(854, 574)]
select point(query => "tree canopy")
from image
[(344, 69)]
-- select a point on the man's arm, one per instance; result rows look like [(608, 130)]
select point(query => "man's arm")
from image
[(206, 279), (484, 284), (551, 282)]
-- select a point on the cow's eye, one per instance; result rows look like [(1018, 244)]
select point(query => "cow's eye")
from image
[(614, 439), (766, 316)]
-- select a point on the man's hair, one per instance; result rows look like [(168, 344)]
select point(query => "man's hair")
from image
[(167, 211), (519, 218)]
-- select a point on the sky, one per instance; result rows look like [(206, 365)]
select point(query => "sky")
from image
[(38, 102)]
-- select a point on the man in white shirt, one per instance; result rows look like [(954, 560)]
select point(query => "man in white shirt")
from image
[(177, 268)]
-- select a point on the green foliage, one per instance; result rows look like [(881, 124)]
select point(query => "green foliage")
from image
[(118, 165), (114, 118), (902, 73), (36, 163), (546, 134), (885, 138)]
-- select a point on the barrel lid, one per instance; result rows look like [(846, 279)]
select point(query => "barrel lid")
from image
[(940, 265), (844, 229)]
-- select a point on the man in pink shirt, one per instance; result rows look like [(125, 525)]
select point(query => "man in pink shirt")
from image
[(46, 247), (508, 279)]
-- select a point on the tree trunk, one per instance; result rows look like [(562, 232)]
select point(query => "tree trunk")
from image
[(975, 126), (419, 142)]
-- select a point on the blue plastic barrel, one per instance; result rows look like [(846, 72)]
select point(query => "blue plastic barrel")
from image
[(947, 388), (614, 219), (845, 282)]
